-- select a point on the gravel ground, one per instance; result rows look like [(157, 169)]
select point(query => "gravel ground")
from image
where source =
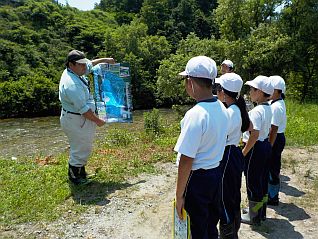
[(144, 208)]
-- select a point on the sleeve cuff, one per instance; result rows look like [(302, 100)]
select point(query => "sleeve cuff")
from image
[(84, 109)]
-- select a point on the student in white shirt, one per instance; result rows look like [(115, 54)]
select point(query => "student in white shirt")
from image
[(276, 137), (200, 148), (257, 150), (232, 164)]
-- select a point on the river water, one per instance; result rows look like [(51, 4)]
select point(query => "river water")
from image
[(31, 136)]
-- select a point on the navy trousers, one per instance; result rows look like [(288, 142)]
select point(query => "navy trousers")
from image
[(232, 166), (275, 165), (256, 170), (202, 202)]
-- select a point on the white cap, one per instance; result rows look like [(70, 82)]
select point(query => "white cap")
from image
[(262, 83), (231, 82), (77, 56), (201, 67), (278, 83), (229, 63), (83, 61)]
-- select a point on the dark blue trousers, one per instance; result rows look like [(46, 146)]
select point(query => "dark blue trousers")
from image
[(275, 165), (232, 166), (202, 202), (256, 170)]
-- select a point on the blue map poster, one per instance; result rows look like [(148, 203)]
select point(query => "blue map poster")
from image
[(112, 92)]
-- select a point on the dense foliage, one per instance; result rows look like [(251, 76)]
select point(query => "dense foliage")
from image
[(156, 37)]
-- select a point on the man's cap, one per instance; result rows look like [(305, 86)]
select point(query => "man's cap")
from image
[(77, 56), (231, 82), (229, 63), (278, 83), (200, 67), (262, 83)]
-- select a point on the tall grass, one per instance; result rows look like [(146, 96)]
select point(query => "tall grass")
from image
[(302, 124)]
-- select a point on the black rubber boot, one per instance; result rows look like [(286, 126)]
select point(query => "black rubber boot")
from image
[(227, 231), (253, 217), (264, 208), (263, 212), (75, 175), (83, 173)]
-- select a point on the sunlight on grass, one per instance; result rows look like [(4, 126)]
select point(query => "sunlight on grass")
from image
[(302, 124)]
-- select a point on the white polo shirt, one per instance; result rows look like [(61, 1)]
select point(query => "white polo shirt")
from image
[(279, 115), (203, 134), (261, 117), (234, 134)]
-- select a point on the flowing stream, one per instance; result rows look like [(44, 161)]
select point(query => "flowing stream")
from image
[(31, 136)]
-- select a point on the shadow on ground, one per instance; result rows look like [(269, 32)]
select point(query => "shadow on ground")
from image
[(291, 211), (95, 193), (274, 228), (288, 189)]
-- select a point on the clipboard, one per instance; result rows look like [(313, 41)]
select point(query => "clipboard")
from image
[(180, 228)]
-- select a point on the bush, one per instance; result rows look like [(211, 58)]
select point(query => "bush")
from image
[(152, 124), (119, 137), (30, 96)]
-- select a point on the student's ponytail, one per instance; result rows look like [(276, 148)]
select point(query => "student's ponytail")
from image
[(240, 102)]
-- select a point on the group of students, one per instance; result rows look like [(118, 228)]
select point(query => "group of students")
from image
[(213, 154)]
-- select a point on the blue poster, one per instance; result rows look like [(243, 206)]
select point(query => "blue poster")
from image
[(112, 92)]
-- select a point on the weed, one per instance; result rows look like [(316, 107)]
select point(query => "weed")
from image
[(152, 124), (308, 173), (119, 137), (293, 164)]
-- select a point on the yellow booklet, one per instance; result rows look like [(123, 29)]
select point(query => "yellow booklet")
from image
[(180, 228)]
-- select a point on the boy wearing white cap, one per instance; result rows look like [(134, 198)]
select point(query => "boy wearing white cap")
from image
[(200, 148), (257, 150), (276, 138), (232, 164), (227, 66)]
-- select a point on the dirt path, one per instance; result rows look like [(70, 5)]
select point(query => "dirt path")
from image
[(144, 209)]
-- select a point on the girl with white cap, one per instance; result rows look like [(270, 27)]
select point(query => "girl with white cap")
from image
[(232, 164), (276, 137), (257, 150)]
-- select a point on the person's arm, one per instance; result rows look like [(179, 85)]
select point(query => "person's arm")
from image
[(250, 142), (91, 116), (250, 127), (185, 166), (102, 60), (273, 134)]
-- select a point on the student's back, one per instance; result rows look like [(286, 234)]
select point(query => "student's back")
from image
[(206, 135)]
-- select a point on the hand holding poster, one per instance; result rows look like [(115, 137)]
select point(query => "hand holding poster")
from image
[(112, 92)]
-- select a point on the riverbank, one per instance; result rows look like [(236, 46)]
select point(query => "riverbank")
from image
[(35, 191), (142, 209)]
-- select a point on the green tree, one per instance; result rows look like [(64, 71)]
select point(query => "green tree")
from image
[(236, 18), (299, 21), (154, 13)]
